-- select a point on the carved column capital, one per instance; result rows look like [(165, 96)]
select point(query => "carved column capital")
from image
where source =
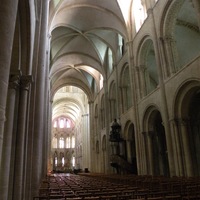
[(168, 39), (142, 68), (137, 69), (14, 81), (25, 82), (90, 102)]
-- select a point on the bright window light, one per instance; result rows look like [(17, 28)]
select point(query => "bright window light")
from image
[(61, 123), (73, 142), (139, 13), (56, 161), (61, 142), (68, 142), (73, 161), (63, 161), (101, 81), (55, 124), (68, 124)]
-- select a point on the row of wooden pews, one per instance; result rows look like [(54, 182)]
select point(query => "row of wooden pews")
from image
[(90, 186)]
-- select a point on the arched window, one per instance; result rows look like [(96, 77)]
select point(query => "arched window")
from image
[(73, 142), (101, 81), (110, 60), (55, 125), (140, 14), (61, 123), (120, 45), (56, 161), (68, 123), (73, 161), (61, 142), (148, 68), (126, 89), (63, 161), (68, 142)]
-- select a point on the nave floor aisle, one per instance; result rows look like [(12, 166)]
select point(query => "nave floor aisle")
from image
[(90, 186)]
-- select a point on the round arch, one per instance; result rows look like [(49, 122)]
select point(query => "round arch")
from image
[(130, 145), (155, 142), (148, 66), (187, 116)]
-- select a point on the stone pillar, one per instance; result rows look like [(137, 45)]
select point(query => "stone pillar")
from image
[(120, 99), (7, 143), (183, 124), (21, 138), (177, 148), (92, 134), (145, 158), (163, 97), (8, 10), (138, 83), (86, 140), (40, 103), (150, 154), (117, 94)]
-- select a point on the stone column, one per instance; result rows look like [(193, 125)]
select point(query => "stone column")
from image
[(7, 143), (91, 134), (138, 83), (40, 103), (117, 94), (177, 146), (21, 138), (145, 158), (150, 154), (183, 123), (163, 98), (120, 99), (47, 117), (8, 10)]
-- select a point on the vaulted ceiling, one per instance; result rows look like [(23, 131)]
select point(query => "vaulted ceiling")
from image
[(81, 32)]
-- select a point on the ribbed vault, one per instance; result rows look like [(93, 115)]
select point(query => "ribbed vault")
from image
[(82, 32)]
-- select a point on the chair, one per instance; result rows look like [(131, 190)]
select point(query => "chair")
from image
[(124, 196), (60, 197), (41, 198), (108, 197), (91, 198), (137, 199), (174, 197)]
